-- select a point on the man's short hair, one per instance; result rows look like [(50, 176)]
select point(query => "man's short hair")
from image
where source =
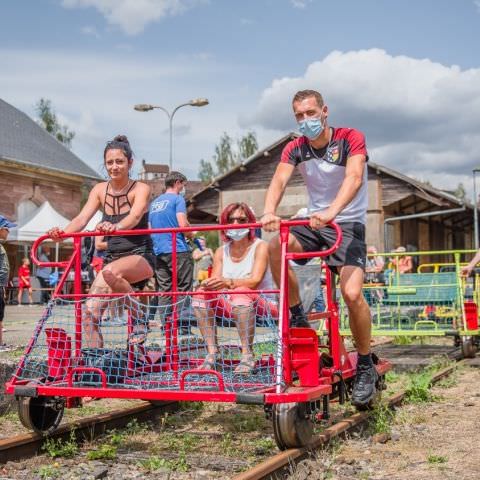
[(173, 177), (303, 94)]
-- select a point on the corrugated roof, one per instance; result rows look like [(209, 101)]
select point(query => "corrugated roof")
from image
[(23, 141)]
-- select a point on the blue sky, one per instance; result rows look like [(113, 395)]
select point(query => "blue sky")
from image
[(405, 72)]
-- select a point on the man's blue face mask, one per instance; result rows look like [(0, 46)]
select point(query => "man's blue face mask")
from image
[(311, 127)]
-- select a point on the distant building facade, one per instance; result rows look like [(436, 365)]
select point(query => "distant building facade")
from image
[(34, 168)]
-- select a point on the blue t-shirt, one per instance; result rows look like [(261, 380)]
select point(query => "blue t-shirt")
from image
[(163, 214)]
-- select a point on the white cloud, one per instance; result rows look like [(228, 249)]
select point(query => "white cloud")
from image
[(132, 16), (90, 31), (94, 95), (419, 117), (300, 3)]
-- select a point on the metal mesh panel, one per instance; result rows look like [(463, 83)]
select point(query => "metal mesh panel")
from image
[(148, 346), (427, 301)]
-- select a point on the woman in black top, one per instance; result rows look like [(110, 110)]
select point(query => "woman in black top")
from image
[(129, 260)]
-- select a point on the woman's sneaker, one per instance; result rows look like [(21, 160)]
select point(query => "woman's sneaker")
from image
[(364, 387)]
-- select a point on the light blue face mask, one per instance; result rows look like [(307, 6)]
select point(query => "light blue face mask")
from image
[(311, 128), (237, 234)]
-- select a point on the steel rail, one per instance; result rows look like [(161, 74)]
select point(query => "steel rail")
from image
[(88, 428), (279, 463)]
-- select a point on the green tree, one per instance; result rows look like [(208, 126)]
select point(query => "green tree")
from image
[(206, 172), (50, 123), (226, 156), (247, 146), (460, 191)]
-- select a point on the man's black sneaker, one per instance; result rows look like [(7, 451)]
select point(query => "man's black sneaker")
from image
[(299, 321), (364, 387)]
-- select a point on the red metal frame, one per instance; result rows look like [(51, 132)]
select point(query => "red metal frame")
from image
[(297, 351)]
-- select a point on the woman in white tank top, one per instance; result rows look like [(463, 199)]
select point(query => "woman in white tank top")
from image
[(240, 264)]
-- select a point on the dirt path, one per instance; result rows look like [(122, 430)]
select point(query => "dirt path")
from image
[(429, 441)]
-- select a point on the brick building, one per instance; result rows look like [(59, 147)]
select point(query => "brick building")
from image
[(34, 168)]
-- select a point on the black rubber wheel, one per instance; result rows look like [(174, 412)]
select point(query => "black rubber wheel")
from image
[(41, 414), (292, 425), (469, 349)]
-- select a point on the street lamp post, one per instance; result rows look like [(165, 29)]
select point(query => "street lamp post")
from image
[(198, 102), (475, 209)]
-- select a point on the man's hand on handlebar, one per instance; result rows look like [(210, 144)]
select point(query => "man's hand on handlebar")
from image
[(319, 219), (54, 233), (270, 222)]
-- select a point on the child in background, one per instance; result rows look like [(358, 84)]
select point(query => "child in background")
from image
[(24, 281)]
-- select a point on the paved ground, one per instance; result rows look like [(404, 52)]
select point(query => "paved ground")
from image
[(19, 323)]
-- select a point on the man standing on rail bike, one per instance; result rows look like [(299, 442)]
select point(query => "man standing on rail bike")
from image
[(332, 162)]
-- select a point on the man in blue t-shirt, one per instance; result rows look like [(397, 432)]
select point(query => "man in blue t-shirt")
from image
[(169, 210)]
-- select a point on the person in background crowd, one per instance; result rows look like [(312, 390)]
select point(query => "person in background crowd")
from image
[(24, 282), (240, 264), (43, 274), (5, 226), (169, 210), (467, 270), (374, 274), (203, 257), (403, 263), (374, 266), (129, 261)]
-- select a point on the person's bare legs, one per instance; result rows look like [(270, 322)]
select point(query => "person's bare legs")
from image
[(94, 308), (30, 296), (19, 296), (275, 254), (119, 275), (115, 277), (351, 282), (245, 320), (206, 324)]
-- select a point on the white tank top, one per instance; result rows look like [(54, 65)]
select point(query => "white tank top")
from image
[(243, 269)]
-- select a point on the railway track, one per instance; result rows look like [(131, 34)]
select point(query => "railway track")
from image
[(88, 428), (277, 466)]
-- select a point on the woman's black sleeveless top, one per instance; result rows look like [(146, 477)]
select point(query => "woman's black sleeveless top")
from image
[(118, 245)]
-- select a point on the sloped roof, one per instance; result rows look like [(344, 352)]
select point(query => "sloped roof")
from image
[(155, 168), (428, 191), (25, 142)]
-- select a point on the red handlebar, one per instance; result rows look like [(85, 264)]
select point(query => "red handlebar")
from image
[(199, 228)]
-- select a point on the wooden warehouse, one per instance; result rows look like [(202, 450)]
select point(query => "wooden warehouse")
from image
[(391, 195)]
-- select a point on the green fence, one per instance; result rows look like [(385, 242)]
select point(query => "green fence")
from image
[(426, 301)]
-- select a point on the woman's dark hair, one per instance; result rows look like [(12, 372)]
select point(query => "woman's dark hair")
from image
[(120, 142), (228, 210)]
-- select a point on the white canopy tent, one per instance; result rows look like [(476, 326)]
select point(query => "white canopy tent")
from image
[(44, 218)]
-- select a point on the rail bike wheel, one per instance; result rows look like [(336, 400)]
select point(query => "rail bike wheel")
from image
[(41, 414), (469, 349), (292, 425)]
